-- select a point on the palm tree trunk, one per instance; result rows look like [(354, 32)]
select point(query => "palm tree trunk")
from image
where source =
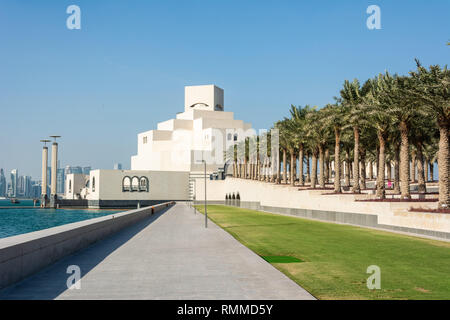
[(431, 171), (300, 165), (381, 192), (377, 165), (444, 166), (245, 167), (356, 188), (389, 170), (265, 169), (397, 169), (278, 169), (362, 180), (321, 167), (413, 167), (263, 176), (347, 168), (425, 168), (404, 161), (371, 170), (327, 165), (257, 167), (420, 171), (242, 169), (284, 167), (308, 171), (337, 161), (314, 169), (350, 171), (272, 171), (291, 168)]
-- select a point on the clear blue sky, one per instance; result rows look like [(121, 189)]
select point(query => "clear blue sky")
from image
[(126, 68)]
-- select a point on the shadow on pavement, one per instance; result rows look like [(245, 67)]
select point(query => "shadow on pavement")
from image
[(50, 282)]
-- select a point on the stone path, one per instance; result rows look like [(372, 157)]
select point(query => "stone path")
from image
[(168, 256)]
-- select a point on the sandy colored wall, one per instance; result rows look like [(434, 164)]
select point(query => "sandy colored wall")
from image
[(163, 185), (393, 214)]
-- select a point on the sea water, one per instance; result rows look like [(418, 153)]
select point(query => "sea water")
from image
[(14, 221)]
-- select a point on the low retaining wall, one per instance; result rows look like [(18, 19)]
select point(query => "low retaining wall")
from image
[(359, 219), (100, 204), (25, 254), (325, 205)]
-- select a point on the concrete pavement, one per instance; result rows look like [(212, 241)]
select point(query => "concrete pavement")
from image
[(167, 256)]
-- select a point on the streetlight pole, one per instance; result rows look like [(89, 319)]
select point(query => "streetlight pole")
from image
[(54, 171), (44, 196), (206, 212)]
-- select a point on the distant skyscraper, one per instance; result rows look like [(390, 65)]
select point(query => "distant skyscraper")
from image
[(117, 166), (9, 191), (14, 179), (86, 170), (36, 189), (27, 187), (60, 178), (77, 170), (20, 186), (2, 184)]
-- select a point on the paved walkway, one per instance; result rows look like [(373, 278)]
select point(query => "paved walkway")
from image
[(168, 256)]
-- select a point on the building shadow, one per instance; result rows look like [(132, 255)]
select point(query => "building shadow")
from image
[(51, 281)]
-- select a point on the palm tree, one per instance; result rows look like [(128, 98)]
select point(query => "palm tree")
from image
[(352, 97), (431, 153), (347, 145), (319, 133), (422, 132), (432, 88), (298, 115), (291, 142), (334, 116), (375, 107), (368, 142), (402, 109), (282, 126), (395, 140)]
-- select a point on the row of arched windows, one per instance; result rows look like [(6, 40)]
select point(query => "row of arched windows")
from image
[(139, 184)]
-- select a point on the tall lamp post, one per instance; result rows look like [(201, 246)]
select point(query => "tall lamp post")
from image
[(206, 212), (53, 188), (44, 196)]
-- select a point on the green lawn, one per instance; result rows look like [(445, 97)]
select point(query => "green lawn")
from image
[(334, 258)]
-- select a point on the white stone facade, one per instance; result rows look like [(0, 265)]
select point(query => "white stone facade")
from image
[(75, 183), (177, 144), (137, 185), (166, 157)]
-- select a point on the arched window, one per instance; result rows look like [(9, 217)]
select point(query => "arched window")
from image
[(135, 183), (93, 184), (70, 186), (143, 184), (126, 183)]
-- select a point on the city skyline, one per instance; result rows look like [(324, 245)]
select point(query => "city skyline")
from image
[(18, 185)]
